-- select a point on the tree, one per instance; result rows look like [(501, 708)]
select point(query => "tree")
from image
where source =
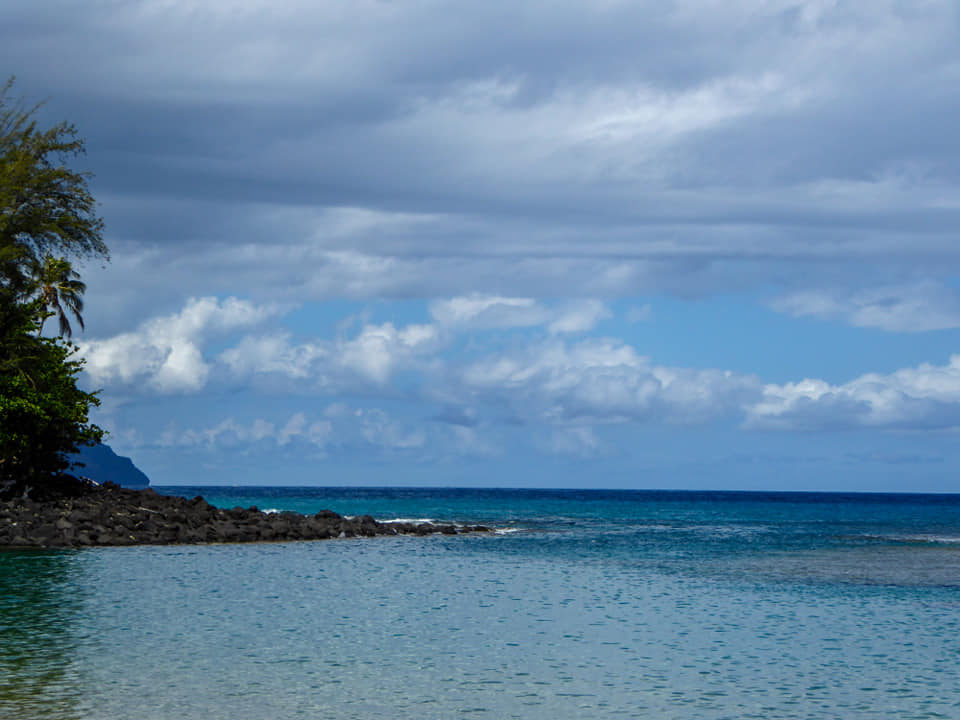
[(47, 214), (58, 286), (44, 416), (46, 208)]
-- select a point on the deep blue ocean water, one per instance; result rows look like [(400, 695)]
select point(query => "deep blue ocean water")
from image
[(582, 604)]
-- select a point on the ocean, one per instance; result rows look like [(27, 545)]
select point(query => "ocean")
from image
[(581, 604)]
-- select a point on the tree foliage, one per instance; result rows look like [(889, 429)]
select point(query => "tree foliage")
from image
[(58, 286), (46, 208), (47, 214), (44, 416)]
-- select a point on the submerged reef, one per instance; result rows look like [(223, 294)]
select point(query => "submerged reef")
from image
[(75, 513)]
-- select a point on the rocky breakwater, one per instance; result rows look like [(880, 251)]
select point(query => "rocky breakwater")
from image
[(77, 514)]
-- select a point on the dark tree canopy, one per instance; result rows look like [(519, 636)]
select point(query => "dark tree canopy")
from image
[(44, 416), (47, 214)]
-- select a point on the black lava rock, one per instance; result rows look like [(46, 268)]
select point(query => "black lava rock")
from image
[(75, 513)]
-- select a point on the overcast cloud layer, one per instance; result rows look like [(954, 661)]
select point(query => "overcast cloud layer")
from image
[(674, 244)]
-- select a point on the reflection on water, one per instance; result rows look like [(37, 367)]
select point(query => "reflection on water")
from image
[(38, 678)]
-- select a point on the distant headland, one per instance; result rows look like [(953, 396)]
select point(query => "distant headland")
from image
[(101, 464)]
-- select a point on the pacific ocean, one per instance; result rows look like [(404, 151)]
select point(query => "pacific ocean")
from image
[(582, 604)]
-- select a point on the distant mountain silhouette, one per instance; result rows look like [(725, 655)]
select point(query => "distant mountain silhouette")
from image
[(102, 464)]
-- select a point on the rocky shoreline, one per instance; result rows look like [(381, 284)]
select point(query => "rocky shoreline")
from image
[(78, 514)]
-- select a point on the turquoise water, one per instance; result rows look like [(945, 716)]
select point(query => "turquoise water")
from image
[(582, 605)]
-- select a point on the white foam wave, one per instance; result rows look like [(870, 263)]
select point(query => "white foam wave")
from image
[(416, 521), (932, 539)]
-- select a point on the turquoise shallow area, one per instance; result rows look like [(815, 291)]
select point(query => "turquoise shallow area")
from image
[(584, 605)]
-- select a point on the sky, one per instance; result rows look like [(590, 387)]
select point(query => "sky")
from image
[(695, 245)]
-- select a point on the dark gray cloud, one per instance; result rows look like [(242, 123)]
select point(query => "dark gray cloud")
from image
[(421, 149)]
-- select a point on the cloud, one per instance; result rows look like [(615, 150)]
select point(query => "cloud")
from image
[(919, 307), (517, 169), (371, 357), (487, 311), (226, 434), (165, 353), (579, 317), (640, 313), (457, 416), (888, 458), (603, 380), (592, 151), (470, 442), (481, 312), (379, 349), (380, 430), (921, 398), (544, 379), (378, 352), (346, 427), (573, 441), (229, 433)]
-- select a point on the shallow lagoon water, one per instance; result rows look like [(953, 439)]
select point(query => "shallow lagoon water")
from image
[(596, 605)]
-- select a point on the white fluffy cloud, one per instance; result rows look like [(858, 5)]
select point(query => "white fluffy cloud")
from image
[(371, 357), (601, 381), (166, 353), (924, 397), (604, 380), (546, 378), (378, 351)]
